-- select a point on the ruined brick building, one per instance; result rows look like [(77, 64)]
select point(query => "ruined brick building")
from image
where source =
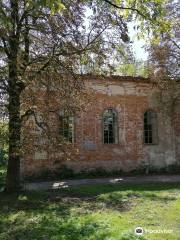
[(124, 128)]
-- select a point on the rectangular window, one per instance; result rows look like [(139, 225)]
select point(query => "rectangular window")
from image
[(67, 127), (109, 126), (150, 127)]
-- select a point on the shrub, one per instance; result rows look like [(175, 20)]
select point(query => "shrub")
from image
[(3, 157), (3, 143)]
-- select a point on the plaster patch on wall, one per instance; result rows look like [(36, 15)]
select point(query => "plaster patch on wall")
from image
[(154, 98), (98, 87), (169, 157), (40, 155), (115, 89), (117, 151), (89, 145)]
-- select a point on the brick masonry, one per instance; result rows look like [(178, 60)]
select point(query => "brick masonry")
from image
[(130, 97)]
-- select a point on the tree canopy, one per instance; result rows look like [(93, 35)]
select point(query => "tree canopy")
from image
[(165, 53), (61, 39)]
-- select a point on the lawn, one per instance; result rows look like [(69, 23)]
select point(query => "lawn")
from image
[(95, 212)]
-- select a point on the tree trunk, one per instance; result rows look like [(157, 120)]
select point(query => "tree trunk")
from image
[(13, 171), (15, 87)]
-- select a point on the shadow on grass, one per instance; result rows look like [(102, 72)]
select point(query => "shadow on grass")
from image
[(35, 216), (111, 196), (131, 190), (38, 216), (106, 188), (48, 227), (68, 213)]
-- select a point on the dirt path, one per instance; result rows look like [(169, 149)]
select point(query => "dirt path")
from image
[(116, 180)]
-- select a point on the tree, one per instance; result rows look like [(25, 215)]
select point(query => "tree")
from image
[(165, 53), (164, 59), (37, 37)]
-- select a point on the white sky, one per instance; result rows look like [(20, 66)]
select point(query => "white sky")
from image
[(137, 45)]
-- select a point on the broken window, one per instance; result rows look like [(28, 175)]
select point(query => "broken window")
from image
[(150, 127), (109, 126)]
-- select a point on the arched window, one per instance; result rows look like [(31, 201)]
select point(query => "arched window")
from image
[(110, 126), (66, 122), (150, 127)]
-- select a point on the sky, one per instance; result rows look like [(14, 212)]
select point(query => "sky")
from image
[(137, 45)]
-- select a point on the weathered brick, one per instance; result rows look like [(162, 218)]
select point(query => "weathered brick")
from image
[(130, 97)]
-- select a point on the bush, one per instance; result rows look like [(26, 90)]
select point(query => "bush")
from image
[(3, 157), (2, 176), (148, 169), (3, 143)]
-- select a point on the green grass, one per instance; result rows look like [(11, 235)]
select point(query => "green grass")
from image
[(95, 212)]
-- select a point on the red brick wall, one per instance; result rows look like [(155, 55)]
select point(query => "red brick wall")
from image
[(130, 99)]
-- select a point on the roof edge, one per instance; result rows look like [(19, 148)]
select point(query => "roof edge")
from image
[(116, 78)]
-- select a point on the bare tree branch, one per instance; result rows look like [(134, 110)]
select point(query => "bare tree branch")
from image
[(126, 8)]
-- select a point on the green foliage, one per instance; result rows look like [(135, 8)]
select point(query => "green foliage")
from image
[(133, 68), (3, 134), (148, 15), (31, 39), (3, 143), (131, 236), (164, 52), (128, 69), (2, 175), (54, 6), (3, 157), (91, 213), (65, 172), (149, 169)]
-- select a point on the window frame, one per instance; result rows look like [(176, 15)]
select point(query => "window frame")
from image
[(155, 136), (116, 128), (71, 115)]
